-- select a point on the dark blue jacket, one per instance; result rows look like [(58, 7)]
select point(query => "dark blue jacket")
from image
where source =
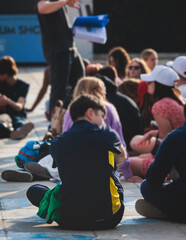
[(171, 153), (90, 188)]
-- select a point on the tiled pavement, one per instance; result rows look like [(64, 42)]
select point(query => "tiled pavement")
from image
[(18, 218)]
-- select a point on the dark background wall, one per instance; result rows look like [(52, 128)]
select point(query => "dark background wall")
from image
[(134, 24), (17, 6), (139, 24)]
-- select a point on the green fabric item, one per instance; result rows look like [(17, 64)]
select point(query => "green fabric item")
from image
[(18, 162), (50, 204)]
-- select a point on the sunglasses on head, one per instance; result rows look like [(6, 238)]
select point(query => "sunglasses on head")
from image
[(135, 67)]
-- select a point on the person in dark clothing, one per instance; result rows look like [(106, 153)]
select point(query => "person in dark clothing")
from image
[(66, 65), (13, 92), (166, 201), (127, 109), (90, 195)]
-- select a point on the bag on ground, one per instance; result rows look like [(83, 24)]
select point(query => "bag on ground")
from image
[(33, 151)]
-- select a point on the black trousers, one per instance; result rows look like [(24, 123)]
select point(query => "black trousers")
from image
[(107, 223), (36, 192), (65, 70), (170, 199)]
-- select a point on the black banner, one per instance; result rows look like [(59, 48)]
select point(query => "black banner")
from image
[(17, 7)]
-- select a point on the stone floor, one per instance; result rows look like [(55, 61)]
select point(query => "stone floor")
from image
[(18, 218)]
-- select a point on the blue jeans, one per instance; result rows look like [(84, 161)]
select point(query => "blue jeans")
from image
[(18, 121), (171, 199), (65, 69)]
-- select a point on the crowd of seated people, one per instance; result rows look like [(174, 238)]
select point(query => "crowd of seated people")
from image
[(144, 104)]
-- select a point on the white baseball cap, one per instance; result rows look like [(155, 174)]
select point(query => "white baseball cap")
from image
[(161, 74), (179, 65)]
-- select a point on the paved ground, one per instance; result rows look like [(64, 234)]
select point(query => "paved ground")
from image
[(18, 218)]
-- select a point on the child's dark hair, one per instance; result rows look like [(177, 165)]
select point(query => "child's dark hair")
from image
[(81, 104), (108, 71), (8, 66)]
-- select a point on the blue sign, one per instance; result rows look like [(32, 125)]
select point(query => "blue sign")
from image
[(20, 38)]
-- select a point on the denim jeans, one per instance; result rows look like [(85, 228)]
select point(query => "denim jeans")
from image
[(18, 120)]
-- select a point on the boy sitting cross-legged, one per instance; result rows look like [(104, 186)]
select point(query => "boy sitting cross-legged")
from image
[(90, 195)]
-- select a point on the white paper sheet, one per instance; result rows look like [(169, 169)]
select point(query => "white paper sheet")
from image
[(97, 35)]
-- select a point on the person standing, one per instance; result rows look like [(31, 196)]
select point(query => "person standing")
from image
[(66, 65)]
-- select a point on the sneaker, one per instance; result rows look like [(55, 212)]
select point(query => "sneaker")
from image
[(37, 170), (148, 210), (16, 176), (22, 132)]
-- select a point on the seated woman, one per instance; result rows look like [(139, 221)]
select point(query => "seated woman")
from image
[(13, 92), (145, 104), (95, 86), (137, 91), (129, 88), (167, 112), (119, 58), (137, 66), (127, 109), (150, 56)]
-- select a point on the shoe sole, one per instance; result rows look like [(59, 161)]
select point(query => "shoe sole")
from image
[(146, 209), (23, 132), (37, 170), (16, 176)]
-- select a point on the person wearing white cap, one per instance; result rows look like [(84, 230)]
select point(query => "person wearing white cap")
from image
[(167, 112), (179, 65)]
